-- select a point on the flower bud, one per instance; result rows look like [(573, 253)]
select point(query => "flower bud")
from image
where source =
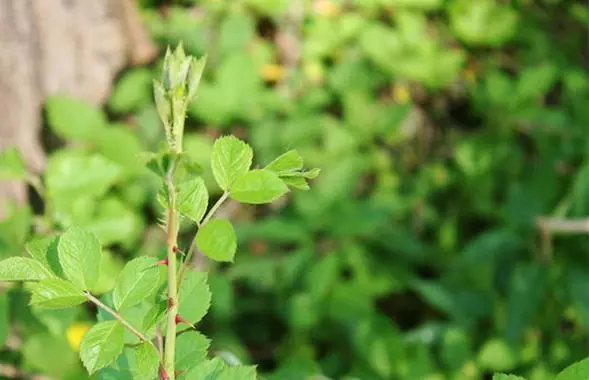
[(196, 68)]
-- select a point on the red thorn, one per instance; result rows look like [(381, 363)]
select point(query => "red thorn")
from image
[(163, 374), (179, 320), (175, 249), (170, 303), (163, 262)]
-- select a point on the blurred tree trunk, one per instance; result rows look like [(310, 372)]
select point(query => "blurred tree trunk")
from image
[(66, 46)]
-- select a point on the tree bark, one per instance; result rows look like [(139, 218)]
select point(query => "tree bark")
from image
[(59, 46)]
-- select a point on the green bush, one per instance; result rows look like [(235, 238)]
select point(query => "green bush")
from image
[(443, 130)]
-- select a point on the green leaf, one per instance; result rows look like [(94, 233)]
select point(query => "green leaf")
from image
[(12, 165), (71, 174), (217, 240), (132, 91), (191, 349), (155, 314), (115, 221), (110, 142), (238, 372), (101, 345), (482, 22), (74, 119), (576, 371), (231, 158), (502, 376), (289, 161), (23, 269), (297, 182), (146, 360), (137, 363), (55, 293), (258, 186), (195, 296), (79, 255), (312, 173), (44, 250), (207, 370), (138, 280), (193, 199)]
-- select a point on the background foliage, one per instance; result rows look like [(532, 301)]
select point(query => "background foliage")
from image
[(443, 130)]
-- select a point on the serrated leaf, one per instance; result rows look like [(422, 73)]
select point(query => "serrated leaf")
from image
[(12, 165), (55, 293), (138, 280), (79, 255), (191, 350), (207, 370), (258, 186), (217, 240), (231, 158), (195, 296), (576, 371), (287, 162), (238, 372), (23, 269), (502, 376), (101, 345), (193, 199), (71, 118), (146, 360)]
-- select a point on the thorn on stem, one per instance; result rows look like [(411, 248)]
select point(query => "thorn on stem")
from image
[(163, 262), (163, 374), (170, 303), (179, 320)]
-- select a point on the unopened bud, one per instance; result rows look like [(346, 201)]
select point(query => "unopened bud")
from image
[(162, 104), (196, 68)]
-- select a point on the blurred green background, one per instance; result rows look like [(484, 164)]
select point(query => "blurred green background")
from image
[(443, 128)]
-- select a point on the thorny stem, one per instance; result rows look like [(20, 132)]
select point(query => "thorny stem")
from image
[(172, 241), (117, 316), (192, 249)]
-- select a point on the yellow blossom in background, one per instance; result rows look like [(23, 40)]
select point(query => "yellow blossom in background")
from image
[(272, 72), (314, 71), (326, 8), (401, 94), (75, 332)]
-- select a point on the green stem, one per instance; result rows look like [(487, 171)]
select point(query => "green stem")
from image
[(173, 302), (192, 248), (117, 316)]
